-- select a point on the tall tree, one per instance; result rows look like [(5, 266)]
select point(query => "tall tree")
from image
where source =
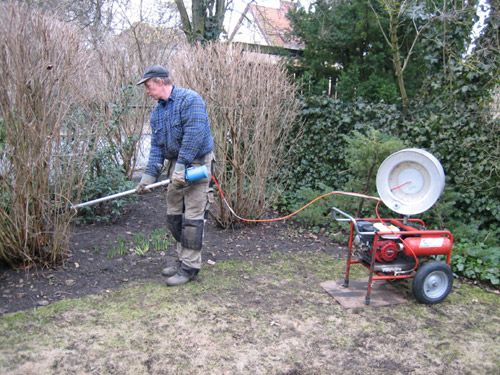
[(343, 43), (405, 20), (207, 19)]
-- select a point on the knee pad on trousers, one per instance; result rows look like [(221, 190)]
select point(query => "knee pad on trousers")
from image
[(174, 224), (192, 234)]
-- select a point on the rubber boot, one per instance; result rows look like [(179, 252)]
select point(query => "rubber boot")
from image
[(172, 269), (184, 275)]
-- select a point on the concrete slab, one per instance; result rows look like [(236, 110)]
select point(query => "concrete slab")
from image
[(383, 294)]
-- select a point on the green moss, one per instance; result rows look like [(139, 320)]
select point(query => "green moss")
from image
[(10, 321), (235, 265)]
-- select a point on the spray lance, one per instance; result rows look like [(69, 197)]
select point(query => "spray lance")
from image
[(193, 174)]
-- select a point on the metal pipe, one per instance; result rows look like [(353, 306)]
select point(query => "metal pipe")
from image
[(118, 195)]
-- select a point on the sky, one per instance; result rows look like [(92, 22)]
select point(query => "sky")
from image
[(483, 10), (232, 17)]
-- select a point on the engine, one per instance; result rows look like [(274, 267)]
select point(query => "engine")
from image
[(387, 249)]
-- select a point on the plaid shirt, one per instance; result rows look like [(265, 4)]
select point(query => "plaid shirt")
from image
[(180, 130)]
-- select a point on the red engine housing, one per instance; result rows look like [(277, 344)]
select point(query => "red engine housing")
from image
[(385, 250)]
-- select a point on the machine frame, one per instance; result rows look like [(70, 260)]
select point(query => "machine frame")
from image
[(427, 288)]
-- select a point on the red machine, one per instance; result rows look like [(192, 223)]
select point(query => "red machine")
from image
[(408, 182), (400, 249)]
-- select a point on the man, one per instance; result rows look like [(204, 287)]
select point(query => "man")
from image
[(180, 134)]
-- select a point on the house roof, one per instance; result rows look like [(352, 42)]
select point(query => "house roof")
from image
[(275, 26)]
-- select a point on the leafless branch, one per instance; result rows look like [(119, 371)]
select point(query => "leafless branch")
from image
[(252, 107)]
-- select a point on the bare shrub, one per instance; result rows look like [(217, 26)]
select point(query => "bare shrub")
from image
[(252, 105), (122, 60), (49, 129)]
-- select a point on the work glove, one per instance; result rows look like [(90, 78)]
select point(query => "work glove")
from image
[(179, 175), (145, 181)]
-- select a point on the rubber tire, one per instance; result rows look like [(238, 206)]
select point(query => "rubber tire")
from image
[(423, 272)]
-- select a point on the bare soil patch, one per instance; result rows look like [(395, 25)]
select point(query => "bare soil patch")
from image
[(92, 268)]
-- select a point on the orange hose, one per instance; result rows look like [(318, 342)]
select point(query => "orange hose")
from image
[(221, 192), (300, 209)]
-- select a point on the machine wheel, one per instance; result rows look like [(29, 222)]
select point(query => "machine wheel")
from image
[(433, 282)]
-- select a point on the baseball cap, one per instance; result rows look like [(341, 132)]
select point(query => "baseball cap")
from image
[(153, 71)]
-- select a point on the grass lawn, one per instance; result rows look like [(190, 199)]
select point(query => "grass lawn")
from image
[(266, 316)]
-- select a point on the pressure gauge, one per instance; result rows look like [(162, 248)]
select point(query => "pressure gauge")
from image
[(410, 181)]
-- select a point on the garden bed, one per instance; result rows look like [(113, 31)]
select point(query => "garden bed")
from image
[(109, 256)]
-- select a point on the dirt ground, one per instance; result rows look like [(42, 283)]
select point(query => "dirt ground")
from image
[(256, 308), (92, 267)]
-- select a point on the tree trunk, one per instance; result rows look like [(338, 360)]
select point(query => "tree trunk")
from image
[(199, 10), (220, 10), (365, 190), (186, 24), (396, 59), (206, 22)]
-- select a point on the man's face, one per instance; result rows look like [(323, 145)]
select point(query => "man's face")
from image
[(153, 89)]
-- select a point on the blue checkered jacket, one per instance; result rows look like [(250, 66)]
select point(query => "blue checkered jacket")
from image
[(180, 129)]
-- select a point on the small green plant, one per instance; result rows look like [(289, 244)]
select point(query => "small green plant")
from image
[(118, 250), (477, 261), (160, 240), (141, 244)]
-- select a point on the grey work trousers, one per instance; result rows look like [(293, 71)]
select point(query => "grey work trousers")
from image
[(186, 208)]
